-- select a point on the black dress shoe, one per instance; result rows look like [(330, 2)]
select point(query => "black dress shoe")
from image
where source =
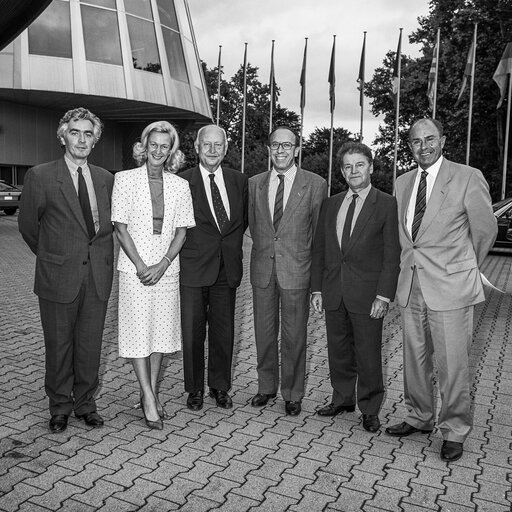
[(93, 419), (371, 422), (292, 408), (332, 410), (222, 398), (261, 399), (451, 451), (58, 423), (195, 400), (404, 429)]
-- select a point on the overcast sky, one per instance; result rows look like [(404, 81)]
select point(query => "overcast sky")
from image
[(231, 23)]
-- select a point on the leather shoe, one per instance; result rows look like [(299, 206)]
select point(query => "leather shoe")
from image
[(58, 423), (93, 419), (451, 451), (292, 408), (404, 429), (332, 410), (371, 422), (195, 401), (261, 399), (222, 398)]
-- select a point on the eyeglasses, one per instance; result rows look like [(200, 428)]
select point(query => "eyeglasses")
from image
[(274, 146)]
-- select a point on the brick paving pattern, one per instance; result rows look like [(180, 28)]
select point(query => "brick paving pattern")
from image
[(245, 458)]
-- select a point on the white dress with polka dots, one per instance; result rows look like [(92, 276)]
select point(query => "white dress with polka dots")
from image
[(149, 316)]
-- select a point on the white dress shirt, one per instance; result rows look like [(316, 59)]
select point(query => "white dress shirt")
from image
[(219, 180), (432, 171), (342, 213), (289, 177)]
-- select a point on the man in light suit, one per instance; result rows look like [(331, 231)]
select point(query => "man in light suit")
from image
[(211, 268), (65, 220), (356, 257), (446, 228), (284, 204)]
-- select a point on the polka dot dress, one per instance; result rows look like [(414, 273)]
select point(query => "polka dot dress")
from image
[(149, 316)]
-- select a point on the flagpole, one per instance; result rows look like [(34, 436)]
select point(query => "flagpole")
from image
[(438, 40), (242, 165), (361, 85), (272, 92), (471, 88), (332, 84), (219, 77), (507, 132), (302, 97), (399, 72)]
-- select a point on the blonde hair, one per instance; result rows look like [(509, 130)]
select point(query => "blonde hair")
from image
[(140, 149)]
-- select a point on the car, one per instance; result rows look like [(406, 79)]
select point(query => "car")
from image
[(9, 198), (503, 213)]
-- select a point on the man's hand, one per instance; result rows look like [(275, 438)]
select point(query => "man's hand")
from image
[(316, 302), (379, 308)]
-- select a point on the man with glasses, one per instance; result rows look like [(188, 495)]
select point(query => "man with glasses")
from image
[(284, 204), (446, 228), (211, 268)]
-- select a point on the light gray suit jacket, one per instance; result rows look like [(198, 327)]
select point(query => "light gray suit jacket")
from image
[(290, 247), (455, 235)]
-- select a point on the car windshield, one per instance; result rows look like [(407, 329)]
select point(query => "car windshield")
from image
[(4, 187)]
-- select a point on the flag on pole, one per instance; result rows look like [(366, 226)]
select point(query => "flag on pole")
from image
[(360, 77), (272, 81), (432, 74), (302, 80), (395, 80), (504, 68), (332, 77), (468, 70), (219, 79)]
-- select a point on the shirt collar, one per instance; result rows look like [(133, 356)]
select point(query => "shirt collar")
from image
[(433, 170), (289, 173), (205, 172), (73, 167), (363, 194)]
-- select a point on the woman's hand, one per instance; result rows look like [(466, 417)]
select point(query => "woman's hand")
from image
[(152, 274)]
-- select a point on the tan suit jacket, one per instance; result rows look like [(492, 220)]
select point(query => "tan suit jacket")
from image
[(456, 233)]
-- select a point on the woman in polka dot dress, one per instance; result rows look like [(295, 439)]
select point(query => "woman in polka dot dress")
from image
[(151, 211)]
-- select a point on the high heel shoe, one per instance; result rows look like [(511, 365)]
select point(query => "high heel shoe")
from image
[(161, 411), (155, 425)]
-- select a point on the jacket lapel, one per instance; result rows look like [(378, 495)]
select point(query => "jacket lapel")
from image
[(332, 222), (200, 198), (264, 186), (297, 193), (232, 192), (102, 199), (365, 213), (407, 196)]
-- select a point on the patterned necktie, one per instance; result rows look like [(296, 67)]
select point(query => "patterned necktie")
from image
[(83, 197), (278, 206), (218, 205), (347, 227), (421, 204)]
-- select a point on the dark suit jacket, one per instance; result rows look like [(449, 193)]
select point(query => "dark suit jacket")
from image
[(201, 253), (52, 224), (370, 264)]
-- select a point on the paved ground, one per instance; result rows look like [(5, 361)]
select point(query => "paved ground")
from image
[(244, 458)]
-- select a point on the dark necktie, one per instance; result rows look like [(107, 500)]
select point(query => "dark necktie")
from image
[(218, 205), (347, 227), (278, 206), (83, 197), (421, 204)]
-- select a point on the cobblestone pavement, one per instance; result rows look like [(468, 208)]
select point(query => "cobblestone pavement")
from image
[(244, 458)]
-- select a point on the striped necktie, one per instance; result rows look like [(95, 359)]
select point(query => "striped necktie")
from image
[(278, 207), (421, 204)]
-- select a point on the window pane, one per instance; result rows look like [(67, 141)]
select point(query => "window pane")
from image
[(167, 13), (140, 8), (50, 34), (101, 35), (102, 3), (143, 43), (175, 56), (181, 11)]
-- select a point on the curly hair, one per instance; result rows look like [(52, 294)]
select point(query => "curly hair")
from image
[(140, 149), (76, 114)]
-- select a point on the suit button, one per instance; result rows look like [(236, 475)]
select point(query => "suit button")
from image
[(84, 262), (90, 243), (271, 257), (275, 238)]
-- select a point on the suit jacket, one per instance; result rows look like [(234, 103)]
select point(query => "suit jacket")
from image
[(455, 235), (52, 224), (289, 247), (201, 253), (369, 266)]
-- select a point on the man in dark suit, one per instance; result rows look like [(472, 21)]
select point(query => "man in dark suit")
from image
[(65, 220), (356, 257), (211, 268), (284, 204)]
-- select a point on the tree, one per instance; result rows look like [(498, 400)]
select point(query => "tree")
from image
[(455, 18)]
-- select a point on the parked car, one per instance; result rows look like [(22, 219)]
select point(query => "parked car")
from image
[(503, 212), (9, 198)]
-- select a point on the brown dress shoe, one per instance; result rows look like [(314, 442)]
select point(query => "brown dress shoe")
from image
[(261, 399), (371, 422), (451, 451), (332, 410), (404, 429)]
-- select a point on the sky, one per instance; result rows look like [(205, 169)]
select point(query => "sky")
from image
[(231, 23)]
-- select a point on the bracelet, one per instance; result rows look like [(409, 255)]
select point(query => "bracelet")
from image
[(166, 258)]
